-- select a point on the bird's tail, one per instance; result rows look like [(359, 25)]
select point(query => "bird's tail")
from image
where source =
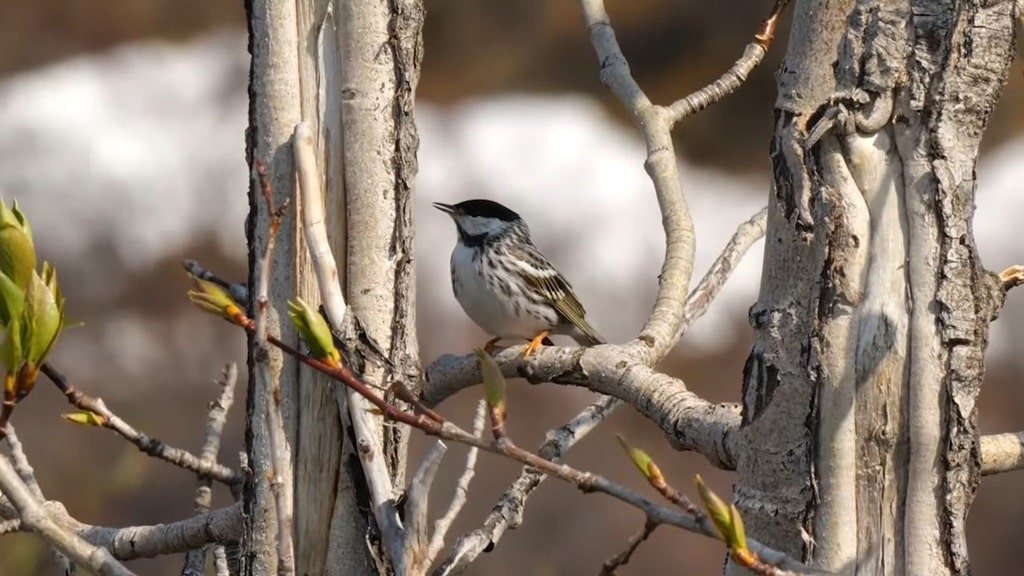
[(585, 335)]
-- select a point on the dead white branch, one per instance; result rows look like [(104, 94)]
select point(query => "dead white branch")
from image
[(36, 518)]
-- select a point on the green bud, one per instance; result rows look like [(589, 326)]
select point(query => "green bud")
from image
[(213, 299), (641, 460), (84, 418), (717, 510), (314, 330), (739, 535), (17, 254)]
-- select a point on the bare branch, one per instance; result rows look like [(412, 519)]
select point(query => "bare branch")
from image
[(21, 463), (36, 518), (736, 75), (195, 560), (746, 235), (416, 537), (622, 558), (280, 453), (223, 525), (688, 421), (1002, 453), (508, 512), (149, 445), (444, 523)]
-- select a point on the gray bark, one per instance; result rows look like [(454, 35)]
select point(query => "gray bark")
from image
[(273, 113), (859, 436)]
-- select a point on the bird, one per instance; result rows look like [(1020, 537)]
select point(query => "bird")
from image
[(504, 283)]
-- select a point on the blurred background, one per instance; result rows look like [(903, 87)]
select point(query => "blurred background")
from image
[(121, 133)]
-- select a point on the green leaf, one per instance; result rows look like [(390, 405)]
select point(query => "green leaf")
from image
[(17, 254), (314, 330), (43, 316), (494, 380)]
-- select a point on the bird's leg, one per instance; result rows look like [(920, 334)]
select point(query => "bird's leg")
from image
[(536, 343), (491, 345)]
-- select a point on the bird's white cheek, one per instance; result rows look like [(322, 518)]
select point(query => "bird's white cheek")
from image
[(475, 225)]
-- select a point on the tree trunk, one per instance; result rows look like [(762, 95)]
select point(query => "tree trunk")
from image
[(860, 427), (322, 61)]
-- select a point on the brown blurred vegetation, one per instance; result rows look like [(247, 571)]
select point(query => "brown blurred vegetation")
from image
[(474, 48)]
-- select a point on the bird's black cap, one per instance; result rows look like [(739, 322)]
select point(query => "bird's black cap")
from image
[(480, 208)]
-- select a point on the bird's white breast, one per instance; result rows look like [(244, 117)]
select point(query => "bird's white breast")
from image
[(492, 310)]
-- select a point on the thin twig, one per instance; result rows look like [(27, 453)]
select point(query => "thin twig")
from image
[(508, 512), (622, 558), (733, 78), (280, 454), (444, 523), (746, 235), (35, 517), (147, 444), (195, 560)]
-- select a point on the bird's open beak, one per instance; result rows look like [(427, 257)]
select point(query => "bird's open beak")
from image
[(446, 208)]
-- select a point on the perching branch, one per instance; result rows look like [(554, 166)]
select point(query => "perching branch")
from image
[(151, 446)]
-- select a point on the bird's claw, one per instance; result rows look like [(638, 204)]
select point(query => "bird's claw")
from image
[(535, 344)]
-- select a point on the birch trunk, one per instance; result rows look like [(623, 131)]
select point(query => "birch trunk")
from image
[(859, 435), (322, 61)]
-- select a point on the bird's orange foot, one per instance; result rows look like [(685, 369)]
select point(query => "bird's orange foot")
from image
[(536, 343), (491, 345)]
